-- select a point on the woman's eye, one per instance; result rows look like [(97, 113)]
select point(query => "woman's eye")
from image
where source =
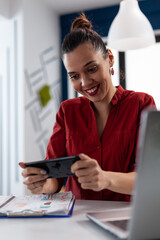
[(74, 76), (92, 69)]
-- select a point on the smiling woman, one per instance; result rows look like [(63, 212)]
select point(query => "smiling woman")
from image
[(101, 126), (91, 77)]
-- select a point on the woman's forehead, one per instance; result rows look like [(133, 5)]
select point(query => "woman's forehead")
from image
[(83, 49), (81, 55)]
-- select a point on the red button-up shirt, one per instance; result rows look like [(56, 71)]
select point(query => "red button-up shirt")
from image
[(75, 131)]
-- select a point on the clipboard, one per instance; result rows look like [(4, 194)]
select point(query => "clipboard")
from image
[(61, 205)]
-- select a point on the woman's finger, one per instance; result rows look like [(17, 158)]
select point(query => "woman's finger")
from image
[(90, 171), (92, 186), (82, 164), (36, 185), (22, 164), (84, 156), (31, 171), (34, 178), (38, 190)]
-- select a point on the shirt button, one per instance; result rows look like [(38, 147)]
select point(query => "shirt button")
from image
[(98, 147)]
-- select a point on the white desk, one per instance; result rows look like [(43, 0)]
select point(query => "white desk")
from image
[(78, 227)]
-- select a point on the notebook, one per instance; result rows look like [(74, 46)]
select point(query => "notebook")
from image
[(142, 220), (49, 205)]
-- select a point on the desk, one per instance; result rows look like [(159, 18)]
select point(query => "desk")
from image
[(78, 227)]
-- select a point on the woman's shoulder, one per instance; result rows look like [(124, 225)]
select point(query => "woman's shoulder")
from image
[(141, 98), (132, 97), (75, 101)]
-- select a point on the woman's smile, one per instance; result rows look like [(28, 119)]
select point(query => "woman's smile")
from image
[(92, 91)]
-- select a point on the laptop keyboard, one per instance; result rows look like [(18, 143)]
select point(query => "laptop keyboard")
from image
[(120, 224)]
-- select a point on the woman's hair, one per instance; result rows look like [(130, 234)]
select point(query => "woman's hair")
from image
[(81, 32)]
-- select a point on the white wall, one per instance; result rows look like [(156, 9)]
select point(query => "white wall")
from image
[(29, 47), (42, 66), (4, 8)]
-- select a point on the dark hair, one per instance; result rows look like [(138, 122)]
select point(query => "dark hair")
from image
[(81, 32)]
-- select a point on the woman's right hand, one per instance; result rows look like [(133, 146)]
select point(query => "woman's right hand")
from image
[(34, 178)]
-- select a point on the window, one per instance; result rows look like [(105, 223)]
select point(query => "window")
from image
[(143, 71), (11, 106)]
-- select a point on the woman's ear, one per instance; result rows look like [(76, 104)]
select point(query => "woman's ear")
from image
[(111, 58)]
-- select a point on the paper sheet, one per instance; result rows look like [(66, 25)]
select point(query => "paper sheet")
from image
[(58, 203)]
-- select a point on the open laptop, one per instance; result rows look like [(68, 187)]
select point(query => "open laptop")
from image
[(144, 222)]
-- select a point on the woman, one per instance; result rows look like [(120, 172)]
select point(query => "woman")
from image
[(103, 124)]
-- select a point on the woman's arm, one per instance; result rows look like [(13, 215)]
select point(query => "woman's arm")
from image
[(121, 182), (91, 176)]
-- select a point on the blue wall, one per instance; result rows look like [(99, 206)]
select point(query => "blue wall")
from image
[(101, 19)]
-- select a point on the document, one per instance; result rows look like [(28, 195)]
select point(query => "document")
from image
[(52, 205)]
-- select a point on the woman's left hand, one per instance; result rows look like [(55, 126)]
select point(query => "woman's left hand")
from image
[(89, 173)]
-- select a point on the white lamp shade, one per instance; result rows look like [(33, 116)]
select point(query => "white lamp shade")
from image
[(130, 29)]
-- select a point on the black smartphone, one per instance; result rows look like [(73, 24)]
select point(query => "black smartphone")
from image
[(57, 167)]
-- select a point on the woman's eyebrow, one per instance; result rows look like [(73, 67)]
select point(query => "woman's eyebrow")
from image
[(71, 72), (89, 63), (85, 65)]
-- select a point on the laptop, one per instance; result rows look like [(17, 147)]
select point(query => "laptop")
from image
[(142, 220)]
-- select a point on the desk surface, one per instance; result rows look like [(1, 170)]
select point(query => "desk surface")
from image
[(78, 227)]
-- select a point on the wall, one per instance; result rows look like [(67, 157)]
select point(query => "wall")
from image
[(42, 66), (29, 47), (4, 8)]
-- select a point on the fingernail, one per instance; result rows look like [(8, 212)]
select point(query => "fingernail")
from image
[(43, 172), (46, 176), (83, 155)]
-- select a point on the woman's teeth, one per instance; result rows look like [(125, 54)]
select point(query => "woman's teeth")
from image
[(92, 90)]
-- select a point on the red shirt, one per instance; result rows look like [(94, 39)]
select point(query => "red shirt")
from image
[(75, 131)]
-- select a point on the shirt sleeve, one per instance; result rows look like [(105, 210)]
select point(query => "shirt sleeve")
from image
[(57, 143), (146, 102)]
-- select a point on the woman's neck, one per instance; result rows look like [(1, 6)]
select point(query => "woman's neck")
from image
[(104, 105), (101, 110)]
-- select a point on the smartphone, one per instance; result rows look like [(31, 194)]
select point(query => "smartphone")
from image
[(57, 167)]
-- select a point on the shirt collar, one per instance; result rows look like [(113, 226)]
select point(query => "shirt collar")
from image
[(118, 95)]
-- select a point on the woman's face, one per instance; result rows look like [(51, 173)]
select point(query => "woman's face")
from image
[(89, 72)]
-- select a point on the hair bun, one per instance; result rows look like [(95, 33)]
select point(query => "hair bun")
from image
[(81, 22)]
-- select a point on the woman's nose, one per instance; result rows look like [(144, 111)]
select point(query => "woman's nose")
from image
[(85, 81)]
